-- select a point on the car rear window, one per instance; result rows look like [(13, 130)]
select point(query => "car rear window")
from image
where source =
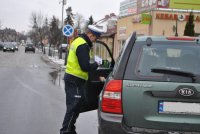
[(29, 45), (168, 55)]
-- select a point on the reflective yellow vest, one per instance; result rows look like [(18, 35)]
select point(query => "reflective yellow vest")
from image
[(73, 66)]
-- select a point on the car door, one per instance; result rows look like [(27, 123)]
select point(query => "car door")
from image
[(94, 85)]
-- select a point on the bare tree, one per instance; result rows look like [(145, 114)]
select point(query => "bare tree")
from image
[(0, 24), (79, 21), (55, 32), (40, 27), (38, 18), (90, 21)]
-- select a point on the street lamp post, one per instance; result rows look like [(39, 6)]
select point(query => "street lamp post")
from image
[(60, 48), (68, 11), (63, 3), (41, 39), (176, 30), (176, 25), (35, 29)]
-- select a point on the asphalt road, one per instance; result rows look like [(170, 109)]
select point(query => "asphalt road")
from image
[(30, 103)]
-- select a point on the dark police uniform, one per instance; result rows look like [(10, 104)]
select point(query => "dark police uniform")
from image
[(76, 74)]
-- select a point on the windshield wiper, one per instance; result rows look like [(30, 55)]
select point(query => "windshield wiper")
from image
[(174, 72)]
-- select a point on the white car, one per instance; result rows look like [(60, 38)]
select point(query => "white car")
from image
[(64, 47)]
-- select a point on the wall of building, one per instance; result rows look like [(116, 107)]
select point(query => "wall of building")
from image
[(164, 25), (164, 22), (159, 25), (128, 25), (125, 27)]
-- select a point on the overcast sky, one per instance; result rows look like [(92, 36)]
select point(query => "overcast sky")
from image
[(16, 14)]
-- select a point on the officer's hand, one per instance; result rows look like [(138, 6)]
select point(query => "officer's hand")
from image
[(99, 63), (102, 79)]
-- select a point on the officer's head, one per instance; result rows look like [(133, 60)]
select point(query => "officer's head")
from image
[(94, 32)]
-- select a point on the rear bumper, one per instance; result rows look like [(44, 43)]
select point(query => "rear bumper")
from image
[(113, 124), (110, 123), (29, 49), (154, 131), (8, 50)]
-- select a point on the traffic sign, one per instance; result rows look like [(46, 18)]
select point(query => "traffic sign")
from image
[(68, 30)]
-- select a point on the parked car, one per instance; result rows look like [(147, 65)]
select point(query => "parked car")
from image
[(16, 45), (30, 47), (8, 46), (1, 45), (153, 88), (63, 47)]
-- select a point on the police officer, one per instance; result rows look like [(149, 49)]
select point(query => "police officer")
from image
[(76, 75)]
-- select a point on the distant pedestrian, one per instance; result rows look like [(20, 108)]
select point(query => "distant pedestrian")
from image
[(76, 75)]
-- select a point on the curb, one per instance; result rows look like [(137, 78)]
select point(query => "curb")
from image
[(59, 63)]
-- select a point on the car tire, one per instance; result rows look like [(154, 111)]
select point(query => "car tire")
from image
[(99, 131)]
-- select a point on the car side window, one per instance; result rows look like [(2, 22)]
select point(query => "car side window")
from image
[(101, 51)]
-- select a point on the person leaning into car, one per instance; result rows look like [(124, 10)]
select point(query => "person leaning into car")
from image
[(76, 74)]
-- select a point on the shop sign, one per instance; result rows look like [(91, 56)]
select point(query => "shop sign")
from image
[(132, 10), (146, 5), (122, 31), (163, 4), (146, 19), (137, 19), (180, 17), (185, 4), (128, 7)]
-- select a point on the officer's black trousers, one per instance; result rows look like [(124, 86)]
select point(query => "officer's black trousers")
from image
[(74, 88)]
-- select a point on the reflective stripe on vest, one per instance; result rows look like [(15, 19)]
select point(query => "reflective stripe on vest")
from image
[(73, 66)]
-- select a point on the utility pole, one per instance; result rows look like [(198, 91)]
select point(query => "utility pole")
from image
[(63, 3), (176, 29), (176, 32), (60, 45), (35, 27), (69, 13)]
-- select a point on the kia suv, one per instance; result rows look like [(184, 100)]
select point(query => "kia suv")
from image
[(154, 88)]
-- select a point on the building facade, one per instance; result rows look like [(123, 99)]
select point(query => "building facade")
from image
[(155, 17)]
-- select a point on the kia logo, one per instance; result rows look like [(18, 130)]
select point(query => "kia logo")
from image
[(186, 92)]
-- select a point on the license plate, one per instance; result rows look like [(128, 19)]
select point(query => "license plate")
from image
[(179, 108)]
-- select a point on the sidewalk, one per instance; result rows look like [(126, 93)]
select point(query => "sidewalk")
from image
[(54, 59), (57, 61), (58, 74)]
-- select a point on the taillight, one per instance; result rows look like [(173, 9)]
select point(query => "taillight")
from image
[(112, 97)]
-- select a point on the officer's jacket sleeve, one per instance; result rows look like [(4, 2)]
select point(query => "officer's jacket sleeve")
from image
[(82, 53)]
